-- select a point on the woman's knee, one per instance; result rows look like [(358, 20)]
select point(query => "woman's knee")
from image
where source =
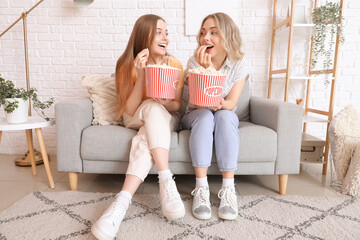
[(203, 117), (226, 117), (154, 109)]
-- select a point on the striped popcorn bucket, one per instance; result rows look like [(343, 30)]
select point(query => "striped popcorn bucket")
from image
[(205, 90), (161, 82)]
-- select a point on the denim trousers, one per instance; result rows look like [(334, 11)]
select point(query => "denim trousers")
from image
[(210, 128)]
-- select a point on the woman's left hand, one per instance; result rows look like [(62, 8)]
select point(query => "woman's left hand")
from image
[(162, 101)]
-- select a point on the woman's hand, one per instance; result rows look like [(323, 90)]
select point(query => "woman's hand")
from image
[(203, 58), (215, 108), (140, 61), (162, 101)]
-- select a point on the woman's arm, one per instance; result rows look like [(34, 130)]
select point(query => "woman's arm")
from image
[(136, 90), (232, 98)]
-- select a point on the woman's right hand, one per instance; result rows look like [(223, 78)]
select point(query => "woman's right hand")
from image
[(140, 61), (202, 57)]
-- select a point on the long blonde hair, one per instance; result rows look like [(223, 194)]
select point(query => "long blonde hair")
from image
[(141, 37), (230, 34)]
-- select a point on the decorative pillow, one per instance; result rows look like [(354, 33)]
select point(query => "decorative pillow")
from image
[(351, 183), (344, 125), (103, 95)]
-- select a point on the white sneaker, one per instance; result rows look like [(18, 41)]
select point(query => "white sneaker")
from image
[(228, 206), (201, 204), (171, 204), (108, 224)]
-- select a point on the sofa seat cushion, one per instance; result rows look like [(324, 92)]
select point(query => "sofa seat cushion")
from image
[(113, 143), (257, 143), (110, 143)]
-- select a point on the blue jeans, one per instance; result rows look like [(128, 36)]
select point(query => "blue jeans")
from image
[(207, 127)]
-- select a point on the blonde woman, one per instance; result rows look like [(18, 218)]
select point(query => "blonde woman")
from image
[(154, 118), (219, 47)]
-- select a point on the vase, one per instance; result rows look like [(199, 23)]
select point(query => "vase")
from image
[(299, 101), (20, 114)]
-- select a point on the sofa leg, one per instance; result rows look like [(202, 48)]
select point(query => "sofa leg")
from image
[(73, 177), (283, 178)]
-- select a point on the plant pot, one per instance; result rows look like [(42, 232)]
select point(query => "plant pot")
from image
[(20, 114)]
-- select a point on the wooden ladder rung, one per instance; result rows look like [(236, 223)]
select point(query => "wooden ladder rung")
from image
[(317, 111), (282, 23), (278, 71), (321, 72)]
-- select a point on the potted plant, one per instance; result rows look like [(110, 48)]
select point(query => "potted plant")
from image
[(328, 25), (15, 102)]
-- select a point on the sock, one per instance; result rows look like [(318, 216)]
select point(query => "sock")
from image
[(124, 197), (228, 183), (202, 182), (164, 175)]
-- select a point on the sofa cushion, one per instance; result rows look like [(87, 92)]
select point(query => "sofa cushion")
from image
[(112, 143), (257, 144), (103, 95), (106, 143)]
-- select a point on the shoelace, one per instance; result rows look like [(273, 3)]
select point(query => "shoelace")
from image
[(225, 195), (117, 211), (171, 192), (203, 198)]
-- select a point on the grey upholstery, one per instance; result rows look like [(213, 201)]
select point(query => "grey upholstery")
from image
[(269, 134)]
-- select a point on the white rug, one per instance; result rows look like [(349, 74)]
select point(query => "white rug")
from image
[(69, 215)]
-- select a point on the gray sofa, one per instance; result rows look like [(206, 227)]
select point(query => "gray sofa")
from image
[(269, 134)]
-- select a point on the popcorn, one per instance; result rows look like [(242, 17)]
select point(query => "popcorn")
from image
[(165, 66), (208, 71)]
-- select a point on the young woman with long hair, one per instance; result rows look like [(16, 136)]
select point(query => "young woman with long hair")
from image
[(154, 118)]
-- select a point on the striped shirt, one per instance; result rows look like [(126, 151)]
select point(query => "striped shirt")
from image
[(235, 71)]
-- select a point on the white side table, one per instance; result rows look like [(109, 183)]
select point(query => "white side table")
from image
[(34, 123)]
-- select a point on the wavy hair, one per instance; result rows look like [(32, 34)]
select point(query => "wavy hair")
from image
[(230, 34), (141, 37)]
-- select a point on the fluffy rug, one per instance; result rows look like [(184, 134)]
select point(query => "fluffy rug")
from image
[(69, 215)]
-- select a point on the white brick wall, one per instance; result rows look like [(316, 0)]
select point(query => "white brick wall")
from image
[(66, 42)]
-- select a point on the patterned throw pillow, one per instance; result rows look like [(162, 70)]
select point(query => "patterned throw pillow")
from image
[(351, 183), (103, 95), (344, 125)]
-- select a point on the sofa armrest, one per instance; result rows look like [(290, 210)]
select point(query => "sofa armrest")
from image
[(286, 120), (72, 117)]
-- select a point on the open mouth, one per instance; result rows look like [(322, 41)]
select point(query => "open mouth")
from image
[(163, 45), (209, 47)]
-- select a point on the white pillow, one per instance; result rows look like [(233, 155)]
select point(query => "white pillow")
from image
[(103, 95), (344, 125), (351, 183)]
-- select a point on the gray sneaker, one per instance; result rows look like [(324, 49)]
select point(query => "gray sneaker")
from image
[(201, 204), (228, 206)]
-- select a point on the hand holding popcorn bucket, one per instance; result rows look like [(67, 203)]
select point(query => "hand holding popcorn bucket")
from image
[(161, 81), (205, 90)]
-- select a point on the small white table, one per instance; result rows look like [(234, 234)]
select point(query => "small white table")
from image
[(36, 123)]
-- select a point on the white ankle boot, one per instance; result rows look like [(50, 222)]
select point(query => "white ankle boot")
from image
[(171, 203)]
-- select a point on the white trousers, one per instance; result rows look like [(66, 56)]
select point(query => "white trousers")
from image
[(155, 125)]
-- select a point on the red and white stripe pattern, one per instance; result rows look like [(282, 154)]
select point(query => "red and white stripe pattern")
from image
[(161, 82), (205, 90)]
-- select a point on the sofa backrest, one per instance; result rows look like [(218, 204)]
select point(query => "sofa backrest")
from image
[(242, 109)]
